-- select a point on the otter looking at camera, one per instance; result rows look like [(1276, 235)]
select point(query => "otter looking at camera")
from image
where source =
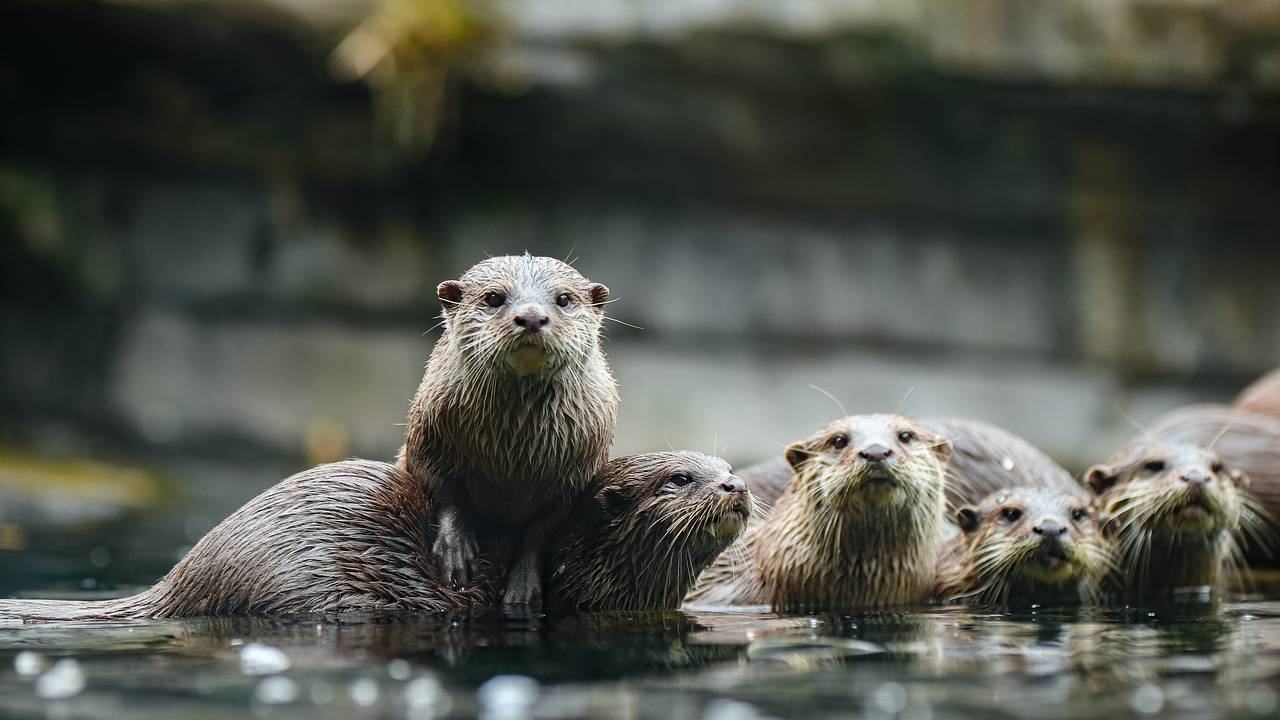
[(515, 413), (859, 525)]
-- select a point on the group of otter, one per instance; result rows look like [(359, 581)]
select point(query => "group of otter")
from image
[(503, 494)]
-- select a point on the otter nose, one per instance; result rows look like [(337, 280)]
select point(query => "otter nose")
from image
[(733, 484), (1196, 478), (531, 318), (876, 453), (1049, 528)]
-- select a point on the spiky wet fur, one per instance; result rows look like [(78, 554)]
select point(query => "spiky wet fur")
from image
[(344, 536), (827, 545), (995, 562), (635, 542), (508, 447)]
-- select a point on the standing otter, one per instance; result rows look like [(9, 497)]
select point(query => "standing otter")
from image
[(859, 525), (1263, 396), (1175, 513), (1026, 545), (984, 459), (515, 413), (350, 536), (644, 531)]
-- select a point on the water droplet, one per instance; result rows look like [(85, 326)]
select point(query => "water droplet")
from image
[(508, 696), (399, 669), (28, 663), (100, 557), (259, 659), (890, 698), (363, 692), (426, 698), (276, 690), (1148, 699), (1007, 464), (65, 679)]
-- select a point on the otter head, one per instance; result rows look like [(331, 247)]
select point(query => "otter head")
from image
[(869, 461), (1035, 544), (1169, 487), (529, 315), (645, 529)]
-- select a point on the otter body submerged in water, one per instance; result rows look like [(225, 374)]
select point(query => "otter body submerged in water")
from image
[(859, 525), (1026, 545), (352, 536), (515, 413)]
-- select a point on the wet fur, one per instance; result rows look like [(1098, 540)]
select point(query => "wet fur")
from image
[(825, 545)]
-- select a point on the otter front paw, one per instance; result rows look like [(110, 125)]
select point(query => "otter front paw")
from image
[(524, 586), (455, 551)]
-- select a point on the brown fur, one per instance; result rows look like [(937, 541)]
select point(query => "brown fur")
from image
[(1026, 545), (350, 536), (1175, 511), (505, 451), (1263, 396), (844, 533)]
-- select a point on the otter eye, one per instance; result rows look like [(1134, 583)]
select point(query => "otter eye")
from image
[(680, 479), (1011, 514), (1153, 467), (839, 442), (494, 299), (1217, 468), (1079, 514), (563, 299), (906, 436)]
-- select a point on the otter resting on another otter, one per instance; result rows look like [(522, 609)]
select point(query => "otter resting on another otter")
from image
[(1026, 545), (515, 413), (354, 536), (1262, 396), (859, 525), (1175, 514)]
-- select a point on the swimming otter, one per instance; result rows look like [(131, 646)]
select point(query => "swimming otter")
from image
[(1175, 514), (984, 459), (859, 525), (351, 536), (1026, 545), (1262, 397), (515, 413)]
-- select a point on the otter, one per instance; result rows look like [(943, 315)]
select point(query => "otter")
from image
[(1262, 397), (515, 413), (350, 536), (1026, 545), (984, 459), (859, 525), (1175, 514)]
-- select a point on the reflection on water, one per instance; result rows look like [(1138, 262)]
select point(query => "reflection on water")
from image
[(1192, 659)]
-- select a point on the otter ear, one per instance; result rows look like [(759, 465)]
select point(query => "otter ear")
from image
[(941, 447), (450, 294), (613, 501), (968, 519), (599, 294), (1240, 478), (796, 454), (1100, 478)]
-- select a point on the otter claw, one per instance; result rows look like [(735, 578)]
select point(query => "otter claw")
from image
[(523, 586), (455, 550)]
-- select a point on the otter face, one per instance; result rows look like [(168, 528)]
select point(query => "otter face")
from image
[(525, 313), (679, 497), (1018, 540), (1177, 488), (870, 461)]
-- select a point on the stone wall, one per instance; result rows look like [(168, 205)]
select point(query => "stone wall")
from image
[(873, 210)]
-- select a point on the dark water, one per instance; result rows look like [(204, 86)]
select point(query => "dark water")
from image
[(1195, 660)]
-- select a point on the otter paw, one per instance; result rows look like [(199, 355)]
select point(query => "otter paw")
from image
[(523, 586), (455, 550)]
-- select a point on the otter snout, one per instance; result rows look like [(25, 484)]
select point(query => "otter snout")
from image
[(1196, 478), (531, 318), (733, 484), (876, 454), (1049, 529)]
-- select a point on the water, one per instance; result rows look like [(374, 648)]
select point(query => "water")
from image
[(1195, 660)]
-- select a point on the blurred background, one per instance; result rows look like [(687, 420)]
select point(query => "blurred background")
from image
[(222, 223)]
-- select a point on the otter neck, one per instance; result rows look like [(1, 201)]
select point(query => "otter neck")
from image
[(1174, 560), (824, 557)]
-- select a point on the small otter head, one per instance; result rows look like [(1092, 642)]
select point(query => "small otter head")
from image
[(1033, 544), (870, 461), (1170, 487), (645, 529), (528, 314)]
